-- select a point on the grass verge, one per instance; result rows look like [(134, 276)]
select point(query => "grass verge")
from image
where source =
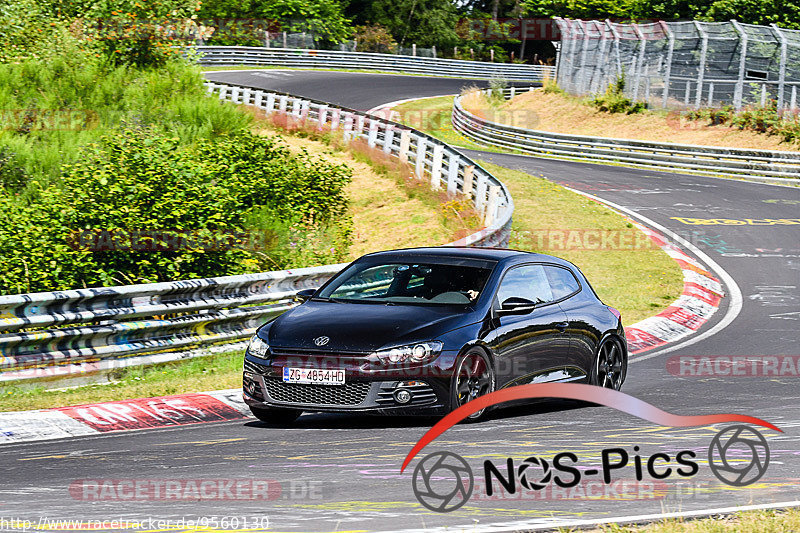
[(745, 522)]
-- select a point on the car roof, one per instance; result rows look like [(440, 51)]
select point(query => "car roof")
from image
[(494, 254)]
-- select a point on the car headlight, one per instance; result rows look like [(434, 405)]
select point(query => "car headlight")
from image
[(415, 353), (258, 346)]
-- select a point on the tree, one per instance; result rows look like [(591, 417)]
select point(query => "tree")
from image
[(422, 22)]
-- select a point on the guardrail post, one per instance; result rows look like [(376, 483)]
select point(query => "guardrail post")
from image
[(492, 205), (372, 136), (283, 102), (388, 138), (452, 174), (701, 71), (469, 173), (738, 90), (235, 95), (436, 168), (480, 193), (210, 88), (335, 119), (419, 164), (668, 66), (270, 102), (296, 108), (405, 142), (259, 99), (246, 96), (348, 126), (359, 126), (322, 117), (222, 91), (782, 67)]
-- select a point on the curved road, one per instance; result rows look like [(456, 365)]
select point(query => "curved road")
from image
[(341, 473)]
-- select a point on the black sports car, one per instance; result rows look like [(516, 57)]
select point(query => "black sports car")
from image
[(424, 330)]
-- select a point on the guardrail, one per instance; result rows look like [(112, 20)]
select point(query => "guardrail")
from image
[(90, 330), (767, 165), (293, 58)]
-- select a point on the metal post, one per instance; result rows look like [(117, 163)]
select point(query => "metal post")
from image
[(738, 92), (782, 71), (668, 67), (599, 69), (584, 52), (639, 62), (414, 49), (284, 39), (793, 101), (702, 68), (617, 54)]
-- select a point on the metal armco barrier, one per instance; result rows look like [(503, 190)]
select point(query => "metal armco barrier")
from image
[(291, 58), (768, 165), (79, 328)]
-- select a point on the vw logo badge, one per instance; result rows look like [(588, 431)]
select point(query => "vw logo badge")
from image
[(322, 341)]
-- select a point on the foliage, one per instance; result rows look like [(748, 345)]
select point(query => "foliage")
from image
[(615, 101), (550, 86), (138, 181), (374, 38), (324, 19), (761, 119), (496, 88), (424, 22), (79, 98)]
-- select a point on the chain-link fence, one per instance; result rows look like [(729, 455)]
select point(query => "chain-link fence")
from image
[(682, 64)]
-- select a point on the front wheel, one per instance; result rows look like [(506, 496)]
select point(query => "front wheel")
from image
[(474, 377), (271, 415), (610, 365)]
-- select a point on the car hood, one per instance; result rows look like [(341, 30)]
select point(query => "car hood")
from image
[(361, 327)]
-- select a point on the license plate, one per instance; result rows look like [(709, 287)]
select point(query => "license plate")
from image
[(313, 376)]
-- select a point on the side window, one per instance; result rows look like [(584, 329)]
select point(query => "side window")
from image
[(529, 282), (562, 282)]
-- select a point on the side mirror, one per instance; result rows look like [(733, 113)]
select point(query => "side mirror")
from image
[(305, 294), (515, 306)]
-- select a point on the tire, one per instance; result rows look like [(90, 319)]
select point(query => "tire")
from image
[(610, 365), (473, 377), (275, 416)]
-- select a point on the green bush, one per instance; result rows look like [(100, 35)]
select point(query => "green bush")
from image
[(615, 101), (761, 119), (292, 209)]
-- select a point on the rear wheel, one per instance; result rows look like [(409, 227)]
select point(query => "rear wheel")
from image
[(272, 415), (474, 377), (610, 365)]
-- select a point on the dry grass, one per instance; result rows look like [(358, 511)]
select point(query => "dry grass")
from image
[(562, 113), (385, 214)]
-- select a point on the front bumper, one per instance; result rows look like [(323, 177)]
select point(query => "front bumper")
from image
[(263, 387)]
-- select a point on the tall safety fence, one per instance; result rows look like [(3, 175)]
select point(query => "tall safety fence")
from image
[(70, 333), (682, 64)]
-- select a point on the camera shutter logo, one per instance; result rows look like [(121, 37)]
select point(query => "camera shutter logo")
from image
[(738, 455), (526, 470), (443, 482), (322, 341)]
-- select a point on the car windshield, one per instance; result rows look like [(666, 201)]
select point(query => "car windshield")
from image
[(415, 283)]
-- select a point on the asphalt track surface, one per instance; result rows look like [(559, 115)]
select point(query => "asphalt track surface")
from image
[(341, 472)]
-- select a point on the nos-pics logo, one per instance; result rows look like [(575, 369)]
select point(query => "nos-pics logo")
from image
[(443, 481)]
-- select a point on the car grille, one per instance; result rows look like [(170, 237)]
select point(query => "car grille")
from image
[(348, 394), (255, 368)]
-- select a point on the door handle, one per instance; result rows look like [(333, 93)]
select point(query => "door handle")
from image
[(562, 327)]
